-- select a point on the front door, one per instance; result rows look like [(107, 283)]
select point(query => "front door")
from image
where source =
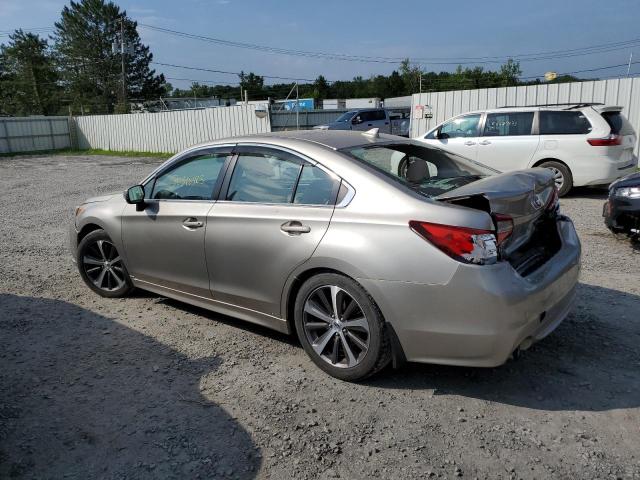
[(459, 135), (507, 142), (272, 213), (164, 242)]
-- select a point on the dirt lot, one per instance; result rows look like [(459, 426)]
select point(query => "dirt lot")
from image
[(145, 387)]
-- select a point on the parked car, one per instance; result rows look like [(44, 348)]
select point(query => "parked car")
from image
[(313, 232), (364, 119), (582, 144), (622, 209)]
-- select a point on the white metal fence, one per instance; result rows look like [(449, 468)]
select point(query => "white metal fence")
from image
[(624, 92), (167, 131), (31, 134)]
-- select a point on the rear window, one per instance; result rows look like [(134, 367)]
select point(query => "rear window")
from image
[(618, 123), (428, 171), (563, 123)]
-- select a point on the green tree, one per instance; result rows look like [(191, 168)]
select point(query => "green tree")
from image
[(321, 88), (28, 79), (87, 43), (411, 75), (509, 73), (252, 84)]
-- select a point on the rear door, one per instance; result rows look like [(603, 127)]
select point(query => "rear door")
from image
[(164, 242), (458, 135), (507, 142), (273, 211)]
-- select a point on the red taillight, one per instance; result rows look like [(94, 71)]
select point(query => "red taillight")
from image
[(553, 201), (470, 245), (608, 141), (504, 226)]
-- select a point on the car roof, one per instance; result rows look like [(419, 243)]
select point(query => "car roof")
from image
[(333, 139)]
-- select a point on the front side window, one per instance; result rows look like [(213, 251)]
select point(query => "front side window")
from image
[(192, 179), (563, 123), (346, 117), (428, 171), (466, 126), (508, 124), (264, 177)]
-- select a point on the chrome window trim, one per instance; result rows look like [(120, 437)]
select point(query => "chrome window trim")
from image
[(181, 156)]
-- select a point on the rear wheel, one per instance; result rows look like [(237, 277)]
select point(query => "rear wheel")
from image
[(101, 266), (562, 176), (341, 328)]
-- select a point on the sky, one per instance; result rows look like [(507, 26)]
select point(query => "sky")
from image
[(431, 31)]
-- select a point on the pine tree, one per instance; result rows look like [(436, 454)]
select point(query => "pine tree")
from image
[(87, 42), (27, 76)]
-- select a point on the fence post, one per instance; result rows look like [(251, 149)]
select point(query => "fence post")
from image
[(53, 139), (6, 135)]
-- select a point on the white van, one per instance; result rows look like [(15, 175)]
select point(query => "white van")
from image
[(583, 144)]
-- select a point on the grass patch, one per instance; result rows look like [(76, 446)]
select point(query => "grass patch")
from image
[(68, 151)]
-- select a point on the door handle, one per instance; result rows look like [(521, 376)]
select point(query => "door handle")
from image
[(192, 223), (369, 124), (294, 227), (485, 142), (469, 143)]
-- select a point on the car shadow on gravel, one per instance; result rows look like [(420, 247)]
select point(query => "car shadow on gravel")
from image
[(82, 396), (590, 363), (596, 193)]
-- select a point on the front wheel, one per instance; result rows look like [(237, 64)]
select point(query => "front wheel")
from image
[(341, 328), (101, 266), (562, 176)]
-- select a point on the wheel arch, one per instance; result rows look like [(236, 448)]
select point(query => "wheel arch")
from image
[(87, 229), (537, 163), (293, 286)]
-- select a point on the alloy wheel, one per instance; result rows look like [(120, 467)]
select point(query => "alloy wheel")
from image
[(336, 326), (557, 176), (103, 266)]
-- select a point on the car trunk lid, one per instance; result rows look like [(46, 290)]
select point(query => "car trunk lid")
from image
[(526, 196)]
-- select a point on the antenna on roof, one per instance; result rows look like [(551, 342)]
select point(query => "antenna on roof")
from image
[(373, 133)]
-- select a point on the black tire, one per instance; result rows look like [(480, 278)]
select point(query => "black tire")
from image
[(91, 247), (567, 178), (378, 353)]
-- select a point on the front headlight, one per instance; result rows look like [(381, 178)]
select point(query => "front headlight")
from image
[(628, 192)]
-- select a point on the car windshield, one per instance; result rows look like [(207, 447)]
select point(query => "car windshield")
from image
[(428, 171), (345, 117)]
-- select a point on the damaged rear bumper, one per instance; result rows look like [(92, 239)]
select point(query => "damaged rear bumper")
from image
[(483, 313)]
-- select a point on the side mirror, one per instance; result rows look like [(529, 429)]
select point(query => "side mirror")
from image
[(440, 135), (135, 195)]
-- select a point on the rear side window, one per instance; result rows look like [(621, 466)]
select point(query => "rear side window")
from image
[(618, 123), (508, 124), (563, 123), (264, 178), (315, 187), (379, 115)]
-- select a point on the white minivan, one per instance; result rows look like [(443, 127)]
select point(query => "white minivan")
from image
[(583, 144)]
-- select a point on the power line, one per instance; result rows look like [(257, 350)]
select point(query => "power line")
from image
[(589, 50), (200, 69)]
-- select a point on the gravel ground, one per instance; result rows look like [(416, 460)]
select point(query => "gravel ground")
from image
[(145, 387)]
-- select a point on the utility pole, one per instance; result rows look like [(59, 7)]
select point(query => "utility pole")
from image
[(297, 108), (420, 81), (629, 66), (122, 52)]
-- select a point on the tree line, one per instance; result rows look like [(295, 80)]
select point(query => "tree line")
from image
[(79, 70)]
